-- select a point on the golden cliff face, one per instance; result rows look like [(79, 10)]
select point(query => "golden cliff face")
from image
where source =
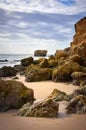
[(78, 46)]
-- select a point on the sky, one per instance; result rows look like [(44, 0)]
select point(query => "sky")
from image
[(28, 25)]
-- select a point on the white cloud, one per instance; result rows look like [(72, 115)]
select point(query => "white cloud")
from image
[(47, 6)]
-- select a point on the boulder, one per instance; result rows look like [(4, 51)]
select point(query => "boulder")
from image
[(19, 68), (44, 63), (40, 53), (14, 94), (57, 95), (77, 104), (7, 71), (44, 108), (60, 53), (78, 77), (39, 75), (27, 61), (63, 72), (76, 58)]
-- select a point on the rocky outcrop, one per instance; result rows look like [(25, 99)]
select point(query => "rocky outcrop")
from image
[(78, 46), (64, 71), (14, 94), (7, 71), (27, 61), (77, 104), (57, 95), (38, 75), (40, 53), (79, 78), (44, 108)]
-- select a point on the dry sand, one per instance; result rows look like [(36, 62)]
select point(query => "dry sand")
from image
[(9, 120)]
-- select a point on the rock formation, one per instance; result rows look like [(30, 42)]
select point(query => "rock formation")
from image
[(40, 53), (7, 71), (14, 94), (44, 108), (78, 46)]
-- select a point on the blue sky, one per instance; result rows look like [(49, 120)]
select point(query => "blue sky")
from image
[(27, 25)]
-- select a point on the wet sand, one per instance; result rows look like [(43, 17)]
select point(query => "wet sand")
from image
[(9, 120)]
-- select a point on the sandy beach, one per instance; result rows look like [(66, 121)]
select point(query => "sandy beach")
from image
[(9, 120)]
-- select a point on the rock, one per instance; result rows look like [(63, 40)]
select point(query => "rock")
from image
[(39, 75), (44, 63), (4, 60), (40, 53), (27, 61), (80, 91), (63, 72), (67, 50), (44, 108), (78, 46), (7, 71), (60, 53), (78, 77), (19, 68), (57, 95), (76, 58), (53, 62), (14, 94), (77, 104)]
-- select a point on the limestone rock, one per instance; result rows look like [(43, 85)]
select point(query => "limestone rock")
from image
[(57, 95), (78, 102), (78, 46), (7, 71), (63, 72), (44, 108), (40, 53), (14, 94), (39, 75), (27, 61), (78, 77)]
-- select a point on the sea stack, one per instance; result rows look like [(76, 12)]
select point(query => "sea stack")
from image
[(40, 53)]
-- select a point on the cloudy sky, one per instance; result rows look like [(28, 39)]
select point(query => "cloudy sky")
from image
[(27, 25)]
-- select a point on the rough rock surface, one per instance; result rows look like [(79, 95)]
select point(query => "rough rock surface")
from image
[(77, 104), (40, 53), (37, 74), (44, 108), (57, 95), (7, 71), (78, 46), (78, 77), (27, 61), (14, 94)]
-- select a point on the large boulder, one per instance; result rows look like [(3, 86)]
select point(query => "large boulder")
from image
[(44, 108), (27, 61), (7, 71), (44, 63), (57, 95), (14, 94), (38, 75), (77, 104), (63, 72), (19, 68), (60, 53), (40, 53)]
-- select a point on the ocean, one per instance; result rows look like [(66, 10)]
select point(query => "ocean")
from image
[(13, 59)]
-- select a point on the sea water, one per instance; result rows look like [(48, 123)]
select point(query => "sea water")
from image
[(13, 59)]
